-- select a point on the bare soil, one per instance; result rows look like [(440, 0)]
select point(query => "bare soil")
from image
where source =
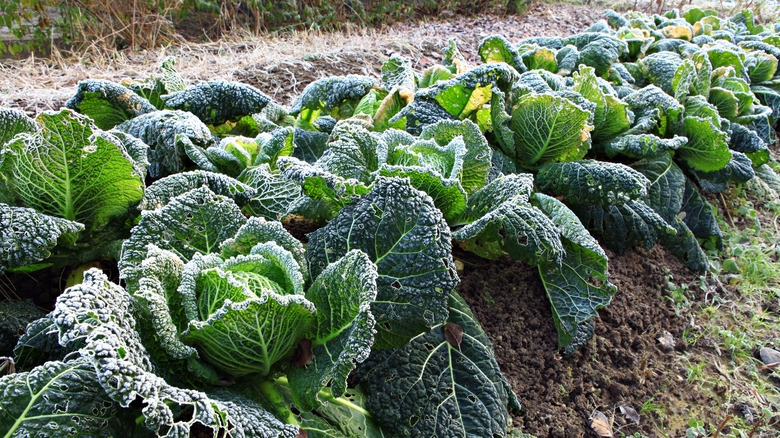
[(625, 367)]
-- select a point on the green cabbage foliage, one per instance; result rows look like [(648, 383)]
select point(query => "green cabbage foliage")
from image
[(12, 122), (541, 128), (174, 138), (435, 387), (72, 170), (27, 237), (611, 116), (168, 81), (217, 102), (496, 48), (193, 222), (500, 220), (337, 96), (107, 103), (164, 189), (400, 230), (461, 97), (592, 182)]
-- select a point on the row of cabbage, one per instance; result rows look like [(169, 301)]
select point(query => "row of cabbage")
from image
[(228, 321)]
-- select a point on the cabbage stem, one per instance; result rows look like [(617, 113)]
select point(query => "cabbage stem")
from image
[(325, 395), (266, 388)]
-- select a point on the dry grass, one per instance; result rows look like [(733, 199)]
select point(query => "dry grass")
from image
[(35, 84)]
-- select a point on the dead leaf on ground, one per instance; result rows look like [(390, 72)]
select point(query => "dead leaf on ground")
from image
[(667, 341), (601, 424), (630, 413)]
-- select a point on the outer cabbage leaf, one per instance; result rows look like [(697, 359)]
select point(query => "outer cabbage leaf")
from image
[(567, 58), (39, 344), (576, 289), (169, 135), (769, 176), (274, 194), (353, 152), (600, 52), (496, 48), (612, 115), (738, 170), (541, 128), (400, 230), (260, 230), (665, 193), (592, 182), (652, 104), (99, 314), (431, 387), (71, 169), (536, 57), (643, 145), (344, 328), (12, 122), (196, 221), (62, 399), (107, 103), (761, 67), (27, 236), (625, 225), (477, 158), (336, 96), (707, 149), (684, 246), (446, 193), (397, 72), (500, 220), (152, 88), (699, 216), (568, 223), (217, 102), (163, 190)]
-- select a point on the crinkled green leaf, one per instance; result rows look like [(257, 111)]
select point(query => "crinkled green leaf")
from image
[(107, 103), (336, 96), (567, 59), (625, 225), (510, 227), (476, 160), (217, 102), (738, 170), (592, 182), (27, 236), (707, 149), (62, 399), (12, 122), (642, 145), (568, 223), (196, 221), (100, 315), (320, 185), (168, 134), (433, 388), (73, 170), (576, 289), (699, 216), (538, 58), (496, 48), (343, 332), (248, 325), (760, 66), (543, 128), (39, 344), (258, 230), (397, 72), (274, 194), (447, 193), (651, 103), (665, 193), (402, 231), (160, 193), (612, 115), (600, 52)]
